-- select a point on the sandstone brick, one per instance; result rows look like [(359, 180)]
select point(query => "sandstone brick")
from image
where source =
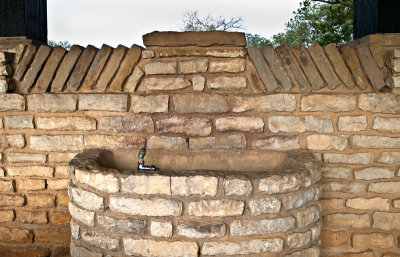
[(103, 102), (389, 157), (198, 82), (198, 230), (147, 54), (4, 84), (86, 217), (60, 217), (216, 208), (148, 207), (324, 65), (375, 141), (96, 67), (197, 65), (194, 126), (12, 102), (62, 143), (325, 142), (308, 216), (170, 83), (32, 217), (66, 123), (278, 184), (12, 141), (103, 182), (202, 143), (285, 124), (356, 158), (169, 143), (370, 67), (1, 123), (111, 67), (297, 240), (255, 246), (396, 203), (131, 226), (146, 185), (6, 185), (194, 185), (150, 248), (268, 103), (247, 124), (230, 141), (61, 157), (133, 80), (264, 205), (52, 102), (35, 171), (57, 184), (150, 103), (26, 60), (235, 186), (309, 252), (333, 238), (298, 199), (151, 68), (338, 64), (213, 51), (233, 65), (61, 172), (6, 216), (335, 172), (40, 201), (383, 103), (373, 173), (161, 229), (385, 187), (127, 124), (1, 172), (347, 220), (320, 124), (227, 83), (387, 124), (376, 203), (26, 157), (114, 142), (344, 186), (386, 221), (81, 67), (16, 236), (352, 123), (280, 143), (31, 184), (11, 200), (80, 251), (100, 240), (75, 229), (62, 200), (331, 103), (261, 227), (372, 240), (202, 103), (19, 122)]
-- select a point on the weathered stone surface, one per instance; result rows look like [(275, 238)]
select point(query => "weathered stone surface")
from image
[(338, 64), (66, 123), (60, 143), (6, 216), (103, 182), (373, 240), (16, 236), (127, 124), (96, 67), (386, 221), (320, 124), (389, 157), (216, 208), (52, 102), (26, 157), (264, 205), (86, 199), (347, 220), (62, 200), (226, 82), (298, 199), (387, 124), (151, 68), (12, 102), (384, 103), (376, 203), (235, 186), (31, 184), (150, 104), (246, 247), (333, 238), (268, 103), (61, 157), (261, 227), (232, 52), (1, 123), (81, 67), (202, 143), (150, 248), (280, 143), (194, 126), (100, 240), (285, 124), (352, 123), (146, 185), (103, 102), (11, 200), (325, 142), (375, 141), (233, 65), (351, 59), (6, 186), (32, 217), (161, 229), (396, 203), (373, 173), (385, 187), (308, 216), (4, 85), (36, 171), (131, 226), (86, 217), (345, 186), (297, 240), (278, 184), (168, 83), (80, 251), (41, 201), (230, 142), (169, 143), (194, 185), (248, 124), (12, 141), (25, 62), (133, 80), (19, 122), (335, 172), (370, 67), (198, 82), (356, 158), (309, 252), (147, 54), (203, 103), (193, 66), (199, 230), (332, 103), (148, 207), (114, 142), (60, 217)]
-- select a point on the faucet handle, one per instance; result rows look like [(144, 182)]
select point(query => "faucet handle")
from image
[(142, 153)]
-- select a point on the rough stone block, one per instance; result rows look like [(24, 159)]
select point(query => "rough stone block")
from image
[(16, 236), (12, 141), (203, 103), (12, 102), (319, 124), (308, 216), (28, 171), (376, 203), (279, 143), (103, 182), (61, 157), (333, 238), (298, 199), (309, 252), (389, 157), (19, 122), (133, 227), (375, 141), (216, 208), (370, 67), (127, 124), (150, 103), (26, 157), (285, 124), (233, 65), (147, 207), (227, 83), (62, 200), (386, 221), (268, 103), (261, 227), (373, 240), (202, 143), (31, 184), (60, 143), (133, 80), (6, 186), (161, 229), (11, 200), (198, 230), (66, 123), (194, 126), (235, 186), (100, 240), (152, 68), (344, 186), (247, 124), (278, 184), (4, 85), (297, 240), (352, 61), (96, 67), (264, 205), (194, 185), (25, 62), (40, 201), (329, 103), (352, 123), (373, 173), (111, 67), (356, 158), (103, 102), (86, 217), (385, 187), (197, 65), (335, 172), (387, 124), (168, 83), (32, 217), (80, 251), (347, 220), (114, 142), (198, 82), (52, 102), (384, 103), (338, 64), (168, 143), (255, 246), (86, 199), (81, 67), (232, 52), (147, 54), (60, 235), (325, 142), (6, 216), (150, 248), (146, 185), (60, 217), (230, 142)]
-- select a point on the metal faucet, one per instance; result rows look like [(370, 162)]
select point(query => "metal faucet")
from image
[(141, 165)]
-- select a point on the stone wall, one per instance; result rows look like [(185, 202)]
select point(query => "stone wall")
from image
[(199, 92)]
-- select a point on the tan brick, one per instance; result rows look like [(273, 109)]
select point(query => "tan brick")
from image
[(376, 203), (233, 65), (62, 200), (103, 102), (59, 217), (202, 143), (151, 68), (197, 65), (308, 216), (17, 236), (268, 103), (36, 171), (60, 235), (32, 217), (11, 200), (387, 124), (133, 80), (194, 185), (6, 216), (170, 83), (61, 172), (373, 240), (147, 54), (330, 238), (12, 141), (214, 52), (255, 246), (19, 122), (161, 229), (195, 126), (86, 199), (389, 157), (385, 187), (331, 103), (169, 143), (202, 103), (100, 240), (127, 124), (332, 204), (6, 185), (261, 227), (352, 123), (31, 184), (52, 102), (12, 102), (325, 142), (344, 186), (57, 184), (62, 143), (66, 123), (114, 142), (230, 141), (149, 103), (40, 201), (384, 103), (347, 220), (111, 67), (80, 251), (26, 157), (235, 186), (247, 124), (198, 82), (80, 68), (61, 157), (386, 221), (96, 67), (227, 83)]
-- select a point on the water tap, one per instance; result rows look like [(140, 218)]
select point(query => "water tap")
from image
[(141, 165)]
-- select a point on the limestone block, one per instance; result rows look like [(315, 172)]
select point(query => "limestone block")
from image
[(147, 207), (285, 124), (264, 205), (344, 186), (383, 103), (356, 158), (152, 68), (385, 187), (32, 217), (11, 200), (261, 227), (352, 123), (297, 240), (194, 185), (230, 142), (375, 141), (150, 103), (4, 85), (333, 238), (161, 229), (133, 80), (202, 103), (103, 182), (12, 102), (233, 65), (169, 143), (194, 126), (247, 124), (197, 65), (100, 240), (25, 62), (309, 252), (86, 217), (26, 157), (319, 124), (373, 240), (61, 143), (1, 123), (12, 141), (298, 199), (279, 143), (103, 102), (268, 103), (308, 216), (16, 236), (227, 83), (81, 67), (386, 221), (19, 122), (41, 201), (389, 157), (30, 171), (376, 203), (61, 157), (96, 67), (277, 68), (150, 248), (114, 142), (347, 220), (127, 124), (147, 54), (338, 64), (216, 208), (396, 203), (255, 246), (387, 124), (325, 142), (60, 235), (198, 82), (31, 184), (7, 185), (146, 185), (214, 52), (373, 173), (278, 184), (131, 226), (60, 217), (57, 184), (80, 251), (86, 199), (52, 102), (66, 123), (235, 186), (169, 83), (7, 216), (330, 103), (198, 230), (350, 57), (202, 143), (335, 172)]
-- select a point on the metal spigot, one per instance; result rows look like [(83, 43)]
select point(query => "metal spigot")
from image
[(141, 165)]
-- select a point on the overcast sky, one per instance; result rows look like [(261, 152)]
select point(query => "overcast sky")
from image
[(124, 22)]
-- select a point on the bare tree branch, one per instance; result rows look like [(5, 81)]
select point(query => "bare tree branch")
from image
[(335, 2), (192, 22)]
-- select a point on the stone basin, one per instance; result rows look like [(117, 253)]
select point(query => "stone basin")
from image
[(209, 203)]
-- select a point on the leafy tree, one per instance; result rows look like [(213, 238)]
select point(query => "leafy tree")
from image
[(64, 44), (255, 39)]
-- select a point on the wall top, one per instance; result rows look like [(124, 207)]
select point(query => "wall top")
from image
[(206, 38)]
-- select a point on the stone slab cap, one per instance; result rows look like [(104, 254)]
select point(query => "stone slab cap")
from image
[(191, 38)]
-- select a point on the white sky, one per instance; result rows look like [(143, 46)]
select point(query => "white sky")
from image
[(124, 22)]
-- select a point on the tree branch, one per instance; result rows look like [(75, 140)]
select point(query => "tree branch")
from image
[(335, 2)]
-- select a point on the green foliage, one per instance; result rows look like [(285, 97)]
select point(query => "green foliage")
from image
[(64, 44), (255, 39)]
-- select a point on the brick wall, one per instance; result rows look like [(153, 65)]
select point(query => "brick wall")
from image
[(341, 103)]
